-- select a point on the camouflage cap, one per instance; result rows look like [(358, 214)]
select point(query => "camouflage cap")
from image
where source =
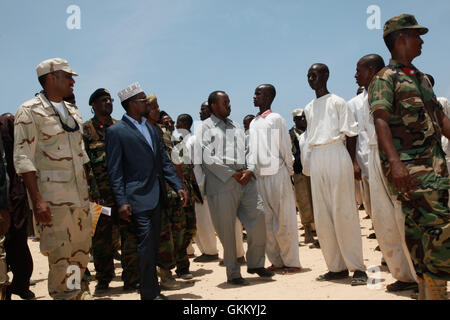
[(52, 65), (404, 21)]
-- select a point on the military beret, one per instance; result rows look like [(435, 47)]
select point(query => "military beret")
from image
[(404, 21), (97, 94)]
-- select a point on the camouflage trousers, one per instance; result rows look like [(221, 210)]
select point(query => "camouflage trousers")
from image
[(303, 198), (3, 266), (104, 244), (66, 241), (173, 227), (191, 229), (427, 232)]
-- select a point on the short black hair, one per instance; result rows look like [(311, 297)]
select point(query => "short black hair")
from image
[(187, 119), (374, 61), (213, 97), (271, 90), (392, 37), (42, 80), (249, 116)]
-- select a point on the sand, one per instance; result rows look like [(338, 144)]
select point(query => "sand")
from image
[(209, 281)]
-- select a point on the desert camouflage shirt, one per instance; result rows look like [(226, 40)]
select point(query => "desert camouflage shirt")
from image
[(42, 145), (94, 139), (407, 95)]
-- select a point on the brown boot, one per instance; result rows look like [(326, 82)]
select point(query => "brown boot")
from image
[(435, 289), (309, 238), (168, 282), (421, 283)]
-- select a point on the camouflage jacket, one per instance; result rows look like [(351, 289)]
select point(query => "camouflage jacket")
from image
[(412, 105), (94, 139), (56, 155), (295, 137)]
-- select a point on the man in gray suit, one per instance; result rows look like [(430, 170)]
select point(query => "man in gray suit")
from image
[(138, 168), (231, 189)]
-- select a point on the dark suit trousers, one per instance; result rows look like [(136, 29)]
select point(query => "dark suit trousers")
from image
[(148, 229), (18, 257)]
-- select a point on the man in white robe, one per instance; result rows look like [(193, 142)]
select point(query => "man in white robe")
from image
[(330, 122), (271, 151)]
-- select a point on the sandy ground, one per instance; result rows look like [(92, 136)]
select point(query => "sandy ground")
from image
[(209, 281)]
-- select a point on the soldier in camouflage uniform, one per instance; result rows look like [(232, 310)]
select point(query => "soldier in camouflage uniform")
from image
[(173, 219), (302, 183), (49, 154), (409, 123), (101, 192), (183, 125)]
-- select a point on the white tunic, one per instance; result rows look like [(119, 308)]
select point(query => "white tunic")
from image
[(270, 144), (359, 105), (329, 120)]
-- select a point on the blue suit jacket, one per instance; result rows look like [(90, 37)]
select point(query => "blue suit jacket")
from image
[(136, 172)]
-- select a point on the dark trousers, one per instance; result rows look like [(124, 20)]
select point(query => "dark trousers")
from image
[(18, 258), (148, 229)]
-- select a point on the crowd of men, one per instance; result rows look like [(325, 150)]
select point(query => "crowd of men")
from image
[(164, 193)]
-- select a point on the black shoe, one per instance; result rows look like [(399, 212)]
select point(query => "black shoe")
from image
[(359, 278), (207, 258), (241, 261), (262, 272), (372, 236), (25, 295), (402, 286), (238, 282), (160, 297), (101, 286), (131, 287), (333, 276)]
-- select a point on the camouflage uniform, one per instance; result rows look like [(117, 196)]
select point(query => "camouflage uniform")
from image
[(57, 156), (103, 242), (412, 106), (173, 221), (302, 183)]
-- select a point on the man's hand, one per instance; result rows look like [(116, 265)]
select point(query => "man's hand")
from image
[(42, 212), (237, 176), (245, 177), (125, 212), (5, 221), (183, 196), (400, 177), (357, 171)]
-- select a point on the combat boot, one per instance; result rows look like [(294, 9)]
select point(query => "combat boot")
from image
[(435, 289), (168, 282), (309, 238)]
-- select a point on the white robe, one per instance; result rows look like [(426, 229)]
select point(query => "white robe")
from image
[(271, 149), (387, 215), (330, 120), (362, 148)]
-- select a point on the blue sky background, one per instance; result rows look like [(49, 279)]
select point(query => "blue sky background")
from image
[(182, 50)]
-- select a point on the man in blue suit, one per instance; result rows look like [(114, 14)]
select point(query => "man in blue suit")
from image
[(137, 167)]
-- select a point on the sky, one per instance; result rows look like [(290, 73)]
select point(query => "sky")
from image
[(182, 50)]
